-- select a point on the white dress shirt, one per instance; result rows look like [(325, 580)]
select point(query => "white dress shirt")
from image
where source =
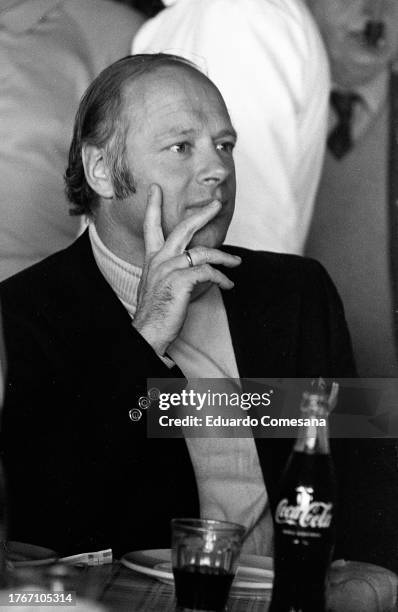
[(268, 61)]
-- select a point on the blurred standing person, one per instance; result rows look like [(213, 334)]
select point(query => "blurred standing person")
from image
[(3, 365), (53, 50), (268, 61), (350, 230)]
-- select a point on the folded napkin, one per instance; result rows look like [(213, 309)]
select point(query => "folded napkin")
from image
[(361, 587), (100, 557)]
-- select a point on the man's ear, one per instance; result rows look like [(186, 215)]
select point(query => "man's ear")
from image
[(97, 173)]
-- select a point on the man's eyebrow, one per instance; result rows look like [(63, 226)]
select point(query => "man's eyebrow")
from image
[(185, 132), (228, 132), (176, 131)]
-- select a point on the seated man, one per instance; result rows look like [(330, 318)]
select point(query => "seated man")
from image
[(138, 296)]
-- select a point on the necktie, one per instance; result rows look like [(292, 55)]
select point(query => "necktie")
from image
[(339, 140)]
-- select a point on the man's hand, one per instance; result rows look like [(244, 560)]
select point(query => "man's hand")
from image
[(167, 279)]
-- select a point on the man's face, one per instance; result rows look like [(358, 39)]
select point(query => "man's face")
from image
[(342, 23), (181, 138)]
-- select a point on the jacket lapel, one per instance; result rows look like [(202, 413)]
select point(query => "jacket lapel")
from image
[(122, 365)]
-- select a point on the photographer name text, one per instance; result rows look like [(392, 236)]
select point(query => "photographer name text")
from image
[(232, 422)]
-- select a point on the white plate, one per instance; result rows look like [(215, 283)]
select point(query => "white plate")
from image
[(254, 572)]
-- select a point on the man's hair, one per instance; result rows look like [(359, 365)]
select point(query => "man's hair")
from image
[(101, 122)]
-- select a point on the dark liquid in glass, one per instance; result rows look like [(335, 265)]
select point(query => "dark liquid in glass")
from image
[(201, 587)]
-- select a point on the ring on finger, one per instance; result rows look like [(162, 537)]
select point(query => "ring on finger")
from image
[(189, 258)]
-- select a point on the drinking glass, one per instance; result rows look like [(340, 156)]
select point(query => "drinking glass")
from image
[(204, 558)]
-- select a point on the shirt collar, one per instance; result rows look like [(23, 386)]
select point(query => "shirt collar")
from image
[(21, 15), (122, 276), (373, 93)]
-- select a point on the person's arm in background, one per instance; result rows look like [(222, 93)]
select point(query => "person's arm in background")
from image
[(108, 27), (269, 63), (53, 52)]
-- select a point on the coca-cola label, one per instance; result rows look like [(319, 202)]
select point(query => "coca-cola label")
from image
[(306, 513)]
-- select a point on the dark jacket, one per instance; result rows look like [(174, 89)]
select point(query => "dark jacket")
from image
[(83, 476)]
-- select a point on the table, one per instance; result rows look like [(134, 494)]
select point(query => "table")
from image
[(124, 589), (352, 587)]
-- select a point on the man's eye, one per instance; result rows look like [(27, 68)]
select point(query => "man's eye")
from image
[(180, 147), (228, 146)]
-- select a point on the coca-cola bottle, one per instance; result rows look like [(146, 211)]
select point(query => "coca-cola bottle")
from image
[(304, 520)]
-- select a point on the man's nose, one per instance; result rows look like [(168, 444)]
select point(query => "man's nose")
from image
[(213, 169)]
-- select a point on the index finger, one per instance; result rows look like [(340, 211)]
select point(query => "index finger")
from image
[(153, 233), (182, 234)]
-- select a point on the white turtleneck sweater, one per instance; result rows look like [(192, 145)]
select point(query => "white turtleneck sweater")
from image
[(229, 478)]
